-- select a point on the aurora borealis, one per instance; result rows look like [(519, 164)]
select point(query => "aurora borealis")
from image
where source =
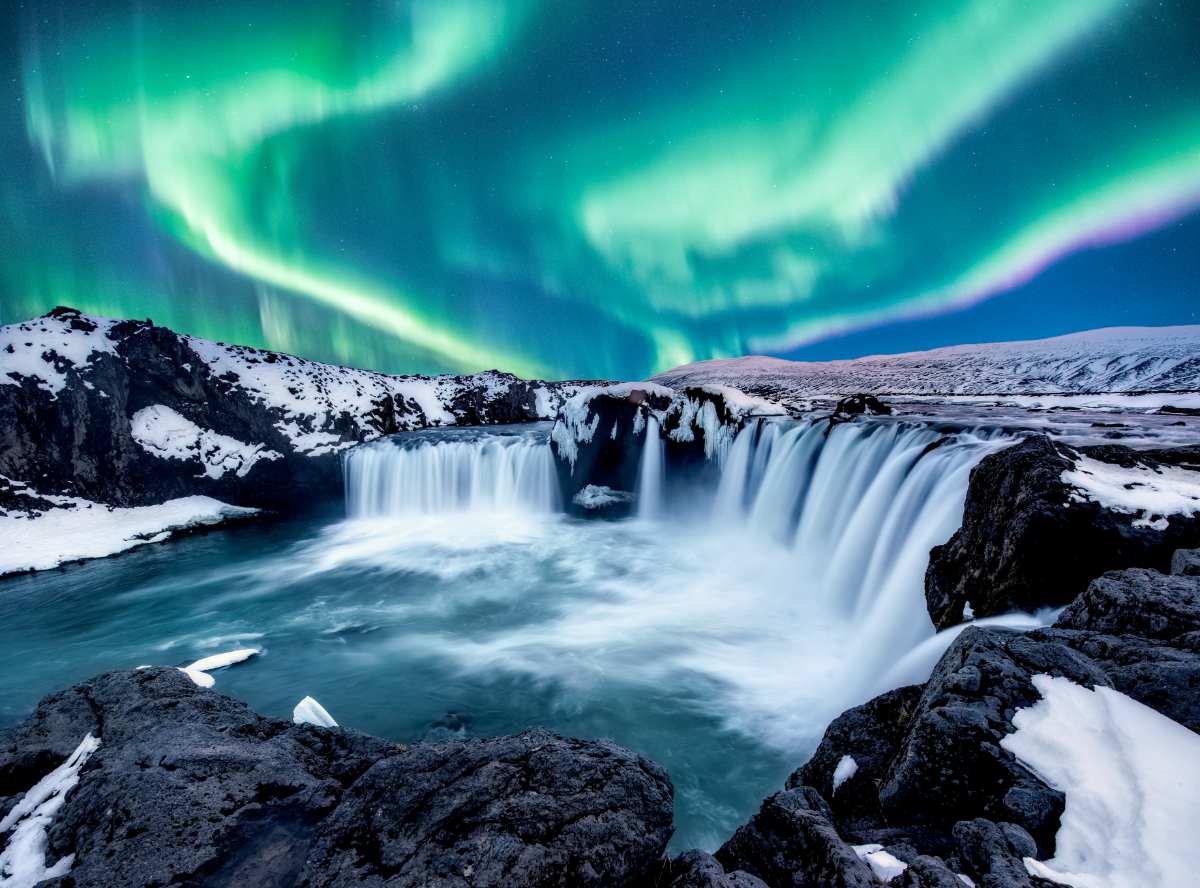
[(602, 189)]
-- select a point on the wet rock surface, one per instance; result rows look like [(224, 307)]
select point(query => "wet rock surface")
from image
[(1029, 541)]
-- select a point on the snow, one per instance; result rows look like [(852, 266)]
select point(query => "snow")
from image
[(220, 661), (1123, 359), (29, 349), (167, 434), (310, 394), (741, 404), (198, 671), (1131, 777), (596, 496), (1153, 493), (23, 860), (544, 402), (77, 529), (309, 712), (885, 866), (846, 768)]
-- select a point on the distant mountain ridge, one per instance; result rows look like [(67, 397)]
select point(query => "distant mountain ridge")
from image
[(1112, 359)]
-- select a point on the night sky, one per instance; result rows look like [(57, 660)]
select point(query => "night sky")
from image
[(570, 189)]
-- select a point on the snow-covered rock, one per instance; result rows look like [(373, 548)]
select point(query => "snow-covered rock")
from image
[(23, 861), (1152, 492), (1042, 519), (44, 531), (130, 414), (163, 432), (1132, 782), (1117, 359)]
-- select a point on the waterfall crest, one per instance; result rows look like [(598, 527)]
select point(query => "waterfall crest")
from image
[(495, 472)]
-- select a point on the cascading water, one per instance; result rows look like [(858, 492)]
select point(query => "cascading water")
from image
[(470, 473), (650, 473), (857, 508)]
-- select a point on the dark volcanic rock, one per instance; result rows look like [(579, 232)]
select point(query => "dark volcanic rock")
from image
[(190, 787), (535, 809), (932, 777), (1138, 602), (791, 841), (1028, 540), (78, 440), (696, 869), (860, 405), (1186, 562), (870, 734)]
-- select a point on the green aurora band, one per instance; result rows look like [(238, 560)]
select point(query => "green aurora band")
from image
[(580, 189)]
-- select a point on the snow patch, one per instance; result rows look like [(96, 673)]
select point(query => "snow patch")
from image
[(45, 348), (1131, 777), (309, 712), (23, 860), (885, 866), (198, 671), (166, 434), (1152, 493), (846, 768), (220, 661), (78, 529)]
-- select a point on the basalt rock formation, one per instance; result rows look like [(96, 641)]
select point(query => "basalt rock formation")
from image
[(1031, 539)]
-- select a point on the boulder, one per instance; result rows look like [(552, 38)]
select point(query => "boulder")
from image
[(1028, 539), (698, 869), (860, 405), (1186, 562), (792, 841), (190, 787), (1137, 602)]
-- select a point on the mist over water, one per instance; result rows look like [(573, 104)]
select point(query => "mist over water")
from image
[(771, 608), (455, 598)]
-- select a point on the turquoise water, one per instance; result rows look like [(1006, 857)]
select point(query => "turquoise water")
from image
[(364, 638), (718, 640)]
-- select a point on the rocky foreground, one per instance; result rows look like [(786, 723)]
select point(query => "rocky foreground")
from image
[(161, 782)]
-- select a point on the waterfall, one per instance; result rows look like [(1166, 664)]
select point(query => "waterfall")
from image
[(650, 473), (857, 509), (470, 473)]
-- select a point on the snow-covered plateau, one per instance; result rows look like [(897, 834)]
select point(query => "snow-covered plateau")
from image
[(1117, 360)]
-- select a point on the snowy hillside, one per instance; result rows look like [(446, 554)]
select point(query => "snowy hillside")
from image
[(129, 414), (1117, 359), (305, 395)]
